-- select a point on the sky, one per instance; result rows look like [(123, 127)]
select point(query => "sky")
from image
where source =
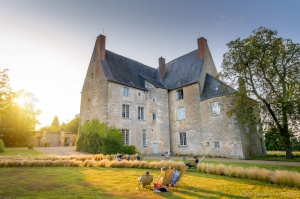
[(47, 45)]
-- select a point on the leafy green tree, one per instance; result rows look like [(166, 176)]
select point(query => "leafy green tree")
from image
[(73, 125), (20, 119), (273, 140), (270, 69), (55, 122), (1, 146)]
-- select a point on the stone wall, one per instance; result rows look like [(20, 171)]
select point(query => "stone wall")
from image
[(154, 100), (191, 125)]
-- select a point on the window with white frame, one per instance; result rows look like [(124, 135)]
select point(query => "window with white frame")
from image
[(216, 108), (125, 91), (182, 137), (125, 136), (181, 113), (216, 145), (141, 113), (153, 116), (144, 138), (125, 111), (179, 94)]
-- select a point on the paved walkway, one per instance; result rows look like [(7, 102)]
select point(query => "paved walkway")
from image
[(62, 151)]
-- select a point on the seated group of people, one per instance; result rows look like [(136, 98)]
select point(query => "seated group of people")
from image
[(120, 157), (160, 179)]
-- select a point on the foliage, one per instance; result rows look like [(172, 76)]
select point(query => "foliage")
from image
[(95, 137), (269, 66), (30, 147), (129, 149), (2, 146), (18, 116), (55, 121), (73, 125), (273, 140)]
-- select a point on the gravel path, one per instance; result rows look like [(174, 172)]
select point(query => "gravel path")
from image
[(62, 151)]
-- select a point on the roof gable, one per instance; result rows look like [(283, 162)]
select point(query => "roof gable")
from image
[(183, 71), (128, 72), (215, 88)]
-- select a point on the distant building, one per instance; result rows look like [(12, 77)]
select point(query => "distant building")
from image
[(178, 107)]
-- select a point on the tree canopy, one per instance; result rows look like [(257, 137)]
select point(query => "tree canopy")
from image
[(18, 116), (269, 67)]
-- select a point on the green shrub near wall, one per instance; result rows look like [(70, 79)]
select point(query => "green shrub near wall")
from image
[(95, 137), (1, 146), (129, 149)]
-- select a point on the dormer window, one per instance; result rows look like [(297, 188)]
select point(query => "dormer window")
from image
[(125, 91), (179, 94), (217, 88)]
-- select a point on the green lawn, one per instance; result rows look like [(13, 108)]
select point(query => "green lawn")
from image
[(20, 151), (82, 182)]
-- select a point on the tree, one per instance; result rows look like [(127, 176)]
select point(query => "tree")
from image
[(73, 125), (55, 122), (20, 119), (269, 66)]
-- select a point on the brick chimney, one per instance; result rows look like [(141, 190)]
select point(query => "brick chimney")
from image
[(202, 45), (100, 44), (162, 68)]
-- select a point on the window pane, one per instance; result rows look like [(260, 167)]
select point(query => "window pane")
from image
[(153, 116), (125, 91), (215, 108), (181, 113), (144, 138), (183, 139), (125, 111), (125, 136), (180, 94)]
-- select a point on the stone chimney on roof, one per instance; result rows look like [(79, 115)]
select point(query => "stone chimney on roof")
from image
[(162, 68), (100, 45), (202, 45)]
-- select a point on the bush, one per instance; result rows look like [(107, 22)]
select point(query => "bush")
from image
[(1, 146), (94, 137), (129, 149), (30, 147)]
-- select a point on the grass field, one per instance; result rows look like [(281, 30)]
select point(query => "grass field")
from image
[(95, 182), (82, 182)]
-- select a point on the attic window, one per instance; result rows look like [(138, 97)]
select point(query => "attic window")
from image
[(179, 94), (217, 88), (139, 94)]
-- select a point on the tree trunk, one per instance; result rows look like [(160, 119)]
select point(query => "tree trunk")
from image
[(287, 144)]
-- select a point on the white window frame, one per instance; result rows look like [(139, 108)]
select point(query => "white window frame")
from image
[(144, 138), (179, 94), (125, 111), (217, 145), (125, 91), (141, 113), (182, 139), (181, 113), (215, 108), (126, 136)]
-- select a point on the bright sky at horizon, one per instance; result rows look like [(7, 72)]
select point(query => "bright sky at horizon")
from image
[(47, 45)]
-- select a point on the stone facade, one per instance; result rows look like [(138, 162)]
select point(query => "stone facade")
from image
[(168, 109)]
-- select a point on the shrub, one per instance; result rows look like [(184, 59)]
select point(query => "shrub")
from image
[(1, 146), (129, 149), (30, 147)]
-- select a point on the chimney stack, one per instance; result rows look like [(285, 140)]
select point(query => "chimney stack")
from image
[(162, 68), (202, 45), (100, 43)]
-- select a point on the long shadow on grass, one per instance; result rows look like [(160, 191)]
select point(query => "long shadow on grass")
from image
[(203, 193)]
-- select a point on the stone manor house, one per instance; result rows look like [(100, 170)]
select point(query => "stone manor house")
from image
[(178, 107)]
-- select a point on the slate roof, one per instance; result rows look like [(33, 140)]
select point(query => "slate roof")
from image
[(183, 71), (210, 91), (128, 72)]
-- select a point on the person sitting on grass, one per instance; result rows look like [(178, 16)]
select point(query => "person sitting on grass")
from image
[(174, 176), (196, 162), (140, 179)]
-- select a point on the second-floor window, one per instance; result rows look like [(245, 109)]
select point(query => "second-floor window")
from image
[(141, 113), (125, 111), (181, 113), (179, 94), (216, 108)]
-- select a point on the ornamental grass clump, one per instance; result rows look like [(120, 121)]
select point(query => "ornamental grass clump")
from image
[(286, 178), (220, 169), (238, 172)]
